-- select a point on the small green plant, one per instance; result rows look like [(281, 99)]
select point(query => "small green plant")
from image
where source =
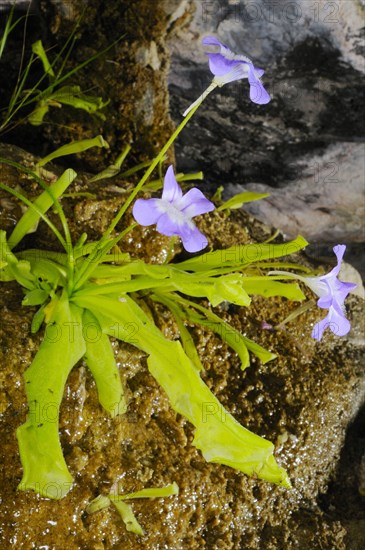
[(126, 513), (43, 94), (95, 285)]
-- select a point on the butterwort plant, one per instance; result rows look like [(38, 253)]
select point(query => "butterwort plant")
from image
[(88, 285)]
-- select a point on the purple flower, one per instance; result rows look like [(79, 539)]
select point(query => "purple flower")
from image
[(173, 213), (332, 294), (227, 67)]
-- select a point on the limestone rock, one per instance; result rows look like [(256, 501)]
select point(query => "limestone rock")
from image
[(306, 145)]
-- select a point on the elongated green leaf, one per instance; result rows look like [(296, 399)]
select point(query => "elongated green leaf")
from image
[(127, 515), (264, 287), (218, 435), (35, 118), (72, 95), (44, 467), (185, 336), (9, 26), (217, 289), (238, 200), (30, 218), (13, 269), (99, 503), (134, 285), (114, 168), (99, 358), (134, 267), (35, 297), (149, 492), (74, 147), (233, 338), (263, 354), (227, 333), (38, 319), (241, 255), (37, 48)]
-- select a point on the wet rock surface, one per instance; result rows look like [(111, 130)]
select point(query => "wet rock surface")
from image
[(307, 144), (307, 401)]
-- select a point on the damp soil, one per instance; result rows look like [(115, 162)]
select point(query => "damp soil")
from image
[(308, 402)]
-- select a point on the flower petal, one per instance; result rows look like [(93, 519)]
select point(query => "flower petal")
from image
[(219, 65), (320, 327), (339, 250), (212, 41), (194, 203), (342, 290), (339, 324), (224, 50), (168, 226), (237, 73), (147, 211), (171, 189), (258, 94), (259, 72), (337, 292), (335, 320), (193, 240)]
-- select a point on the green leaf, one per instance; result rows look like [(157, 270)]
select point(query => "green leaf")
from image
[(218, 435), (35, 118), (218, 194), (127, 515), (14, 269), (227, 333), (100, 359), (267, 287), (44, 467), (263, 354), (241, 255), (35, 297), (74, 147), (99, 503), (229, 288), (72, 95), (37, 48), (113, 169), (185, 336), (238, 200), (149, 492), (231, 336), (38, 319), (217, 289), (31, 217), (9, 27)]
